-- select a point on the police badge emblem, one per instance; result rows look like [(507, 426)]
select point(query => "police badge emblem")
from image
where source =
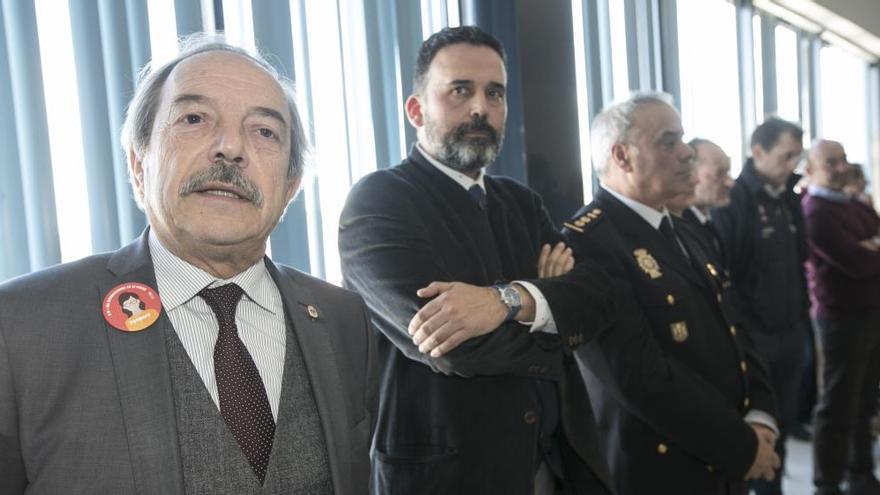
[(679, 331), (647, 263)]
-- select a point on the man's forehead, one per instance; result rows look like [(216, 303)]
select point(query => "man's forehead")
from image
[(656, 119), (464, 61), (218, 74)]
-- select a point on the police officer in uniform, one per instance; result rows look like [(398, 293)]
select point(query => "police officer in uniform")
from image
[(683, 403)]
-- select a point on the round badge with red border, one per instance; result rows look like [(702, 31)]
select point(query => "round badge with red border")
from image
[(131, 307)]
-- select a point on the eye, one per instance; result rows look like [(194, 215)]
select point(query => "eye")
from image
[(460, 90), (267, 133), (193, 118), (496, 93)]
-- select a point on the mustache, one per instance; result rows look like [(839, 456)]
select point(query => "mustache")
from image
[(223, 172), (476, 124)]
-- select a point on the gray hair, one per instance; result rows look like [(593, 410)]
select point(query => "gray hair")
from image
[(141, 114), (614, 125)]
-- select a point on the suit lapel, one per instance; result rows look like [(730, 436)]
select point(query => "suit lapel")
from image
[(646, 237), (304, 313), (143, 379)]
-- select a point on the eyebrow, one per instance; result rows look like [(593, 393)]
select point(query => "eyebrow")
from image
[(259, 110), (493, 84)]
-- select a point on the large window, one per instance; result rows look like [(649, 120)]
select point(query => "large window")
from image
[(787, 101), (844, 116), (65, 135), (709, 80)]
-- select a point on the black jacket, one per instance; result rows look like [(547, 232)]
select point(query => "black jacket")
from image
[(673, 378), (465, 423), (763, 242)]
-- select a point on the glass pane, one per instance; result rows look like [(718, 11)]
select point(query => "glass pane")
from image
[(163, 30), (843, 101), (619, 62), (759, 68), (65, 135), (787, 74), (238, 23), (580, 70), (709, 79)]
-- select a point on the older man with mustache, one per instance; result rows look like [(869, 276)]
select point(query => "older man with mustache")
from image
[(241, 376)]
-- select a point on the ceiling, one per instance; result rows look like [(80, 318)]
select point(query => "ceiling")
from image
[(854, 21)]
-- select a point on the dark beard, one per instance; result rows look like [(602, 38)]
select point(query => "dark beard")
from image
[(468, 154)]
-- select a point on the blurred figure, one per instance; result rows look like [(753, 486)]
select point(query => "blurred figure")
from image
[(856, 184), (761, 233), (844, 274), (712, 189)]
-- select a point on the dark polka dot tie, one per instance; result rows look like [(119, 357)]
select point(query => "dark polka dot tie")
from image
[(243, 401)]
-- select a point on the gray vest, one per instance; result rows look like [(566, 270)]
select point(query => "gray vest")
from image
[(213, 463)]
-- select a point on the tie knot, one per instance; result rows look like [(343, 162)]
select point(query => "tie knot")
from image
[(223, 300), (478, 195), (666, 228)]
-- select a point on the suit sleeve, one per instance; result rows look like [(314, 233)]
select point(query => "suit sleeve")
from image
[(579, 300), (13, 478), (838, 246), (387, 255), (637, 374)]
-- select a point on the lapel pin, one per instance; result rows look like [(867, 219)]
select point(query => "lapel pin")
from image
[(313, 312), (131, 307)]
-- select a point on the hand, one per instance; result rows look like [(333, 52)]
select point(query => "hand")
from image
[(457, 313), (556, 261), (870, 244), (766, 461)]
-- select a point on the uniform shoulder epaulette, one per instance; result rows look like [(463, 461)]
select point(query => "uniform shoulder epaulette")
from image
[(585, 221)]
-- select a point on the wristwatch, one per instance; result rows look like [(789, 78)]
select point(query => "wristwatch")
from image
[(511, 298)]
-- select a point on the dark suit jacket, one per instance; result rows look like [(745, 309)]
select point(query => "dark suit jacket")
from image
[(465, 423), (86, 408), (672, 379)]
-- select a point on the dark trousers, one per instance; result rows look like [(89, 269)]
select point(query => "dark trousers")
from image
[(784, 355), (850, 347)]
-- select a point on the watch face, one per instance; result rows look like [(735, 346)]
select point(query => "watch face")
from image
[(510, 296)]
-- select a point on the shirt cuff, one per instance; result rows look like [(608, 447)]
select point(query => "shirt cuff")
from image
[(762, 418), (544, 321)]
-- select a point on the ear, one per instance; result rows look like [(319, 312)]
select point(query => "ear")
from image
[(620, 157), (293, 188), (758, 152), (136, 173), (414, 114)]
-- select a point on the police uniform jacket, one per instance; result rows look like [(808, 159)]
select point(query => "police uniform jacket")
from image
[(672, 379), (469, 421)]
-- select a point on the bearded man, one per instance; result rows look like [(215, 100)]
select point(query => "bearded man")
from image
[(478, 301)]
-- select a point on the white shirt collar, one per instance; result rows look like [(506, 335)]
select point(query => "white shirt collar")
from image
[(178, 281), (461, 179), (650, 215), (702, 217)]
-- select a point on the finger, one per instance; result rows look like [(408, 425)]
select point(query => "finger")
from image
[(433, 289), (542, 259), (438, 337), (449, 344), (554, 258), (423, 315), (559, 267), (569, 265)]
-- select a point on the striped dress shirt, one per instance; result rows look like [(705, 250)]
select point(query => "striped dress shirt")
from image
[(259, 318)]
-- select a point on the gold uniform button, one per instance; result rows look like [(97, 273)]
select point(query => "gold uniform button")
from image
[(718, 296), (712, 270), (733, 330), (746, 402), (742, 366), (710, 468), (670, 299), (530, 417), (662, 448)]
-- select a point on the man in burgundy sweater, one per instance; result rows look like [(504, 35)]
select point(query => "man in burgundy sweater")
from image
[(843, 270)]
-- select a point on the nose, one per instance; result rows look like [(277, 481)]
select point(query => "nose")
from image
[(228, 145), (479, 105)]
